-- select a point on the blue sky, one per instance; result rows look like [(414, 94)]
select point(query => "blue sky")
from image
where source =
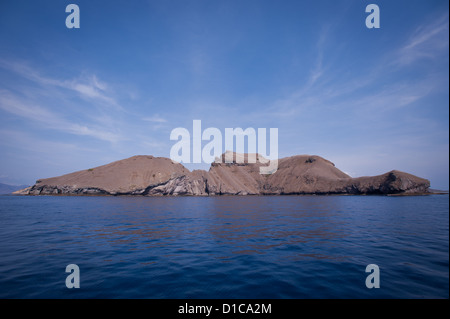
[(369, 100)]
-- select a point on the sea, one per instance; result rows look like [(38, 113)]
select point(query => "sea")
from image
[(224, 247)]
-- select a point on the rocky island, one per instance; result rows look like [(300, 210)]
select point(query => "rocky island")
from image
[(147, 175)]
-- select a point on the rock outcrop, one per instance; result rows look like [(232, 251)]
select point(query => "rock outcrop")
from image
[(153, 176), (137, 175)]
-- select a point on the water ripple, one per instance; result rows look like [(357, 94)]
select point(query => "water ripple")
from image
[(224, 247)]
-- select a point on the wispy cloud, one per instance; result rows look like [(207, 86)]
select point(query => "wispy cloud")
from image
[(87, 86), (29, 142), (50, 120), (155, 119), (318, 69), (336, 92), (426, 41), (90, 89), (97, 118), (156, 122), (393, 98)]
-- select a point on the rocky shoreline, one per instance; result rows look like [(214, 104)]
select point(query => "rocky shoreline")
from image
[(146, 175)]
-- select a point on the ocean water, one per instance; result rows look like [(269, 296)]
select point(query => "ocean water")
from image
[(224, 247)]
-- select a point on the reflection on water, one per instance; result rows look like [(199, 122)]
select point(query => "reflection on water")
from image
[(224, 247), (223, 226)]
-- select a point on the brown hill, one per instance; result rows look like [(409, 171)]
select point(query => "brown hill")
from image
[(305, 174), (301, 174), (133, 175)]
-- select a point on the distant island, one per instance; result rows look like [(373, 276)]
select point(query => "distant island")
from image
[(8, 189), (147, 175)]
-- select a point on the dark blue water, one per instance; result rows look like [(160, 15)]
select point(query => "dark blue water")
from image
[(224, 247)]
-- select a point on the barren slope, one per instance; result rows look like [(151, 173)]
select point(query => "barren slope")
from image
[(301, 174), (131, 175)]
